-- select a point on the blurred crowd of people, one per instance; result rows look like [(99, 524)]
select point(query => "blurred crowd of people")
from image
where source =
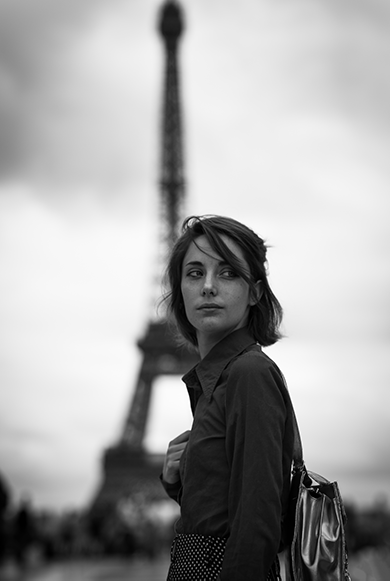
[(368, 527), (134, 527)]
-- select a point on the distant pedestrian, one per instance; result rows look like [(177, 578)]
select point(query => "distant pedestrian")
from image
[(24, 530), (4, 503)]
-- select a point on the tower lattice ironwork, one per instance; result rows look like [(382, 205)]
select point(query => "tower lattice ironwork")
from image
[(127, 466)]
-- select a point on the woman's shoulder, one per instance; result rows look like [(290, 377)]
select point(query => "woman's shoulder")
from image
[(254, 359), (253, 368)]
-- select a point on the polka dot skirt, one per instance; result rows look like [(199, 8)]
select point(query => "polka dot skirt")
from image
[(196, 558), (199, 558)]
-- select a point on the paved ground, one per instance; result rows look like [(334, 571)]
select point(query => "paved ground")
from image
[(368, 566), (135, 570)]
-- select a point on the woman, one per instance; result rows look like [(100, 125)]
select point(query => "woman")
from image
[(231, 472)]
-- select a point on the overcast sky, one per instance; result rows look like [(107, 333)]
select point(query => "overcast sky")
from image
[(286, 128)]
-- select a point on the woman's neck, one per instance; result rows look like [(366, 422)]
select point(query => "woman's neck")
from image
[(207, 341)]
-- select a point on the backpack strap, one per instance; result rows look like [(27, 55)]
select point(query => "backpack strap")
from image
[(298, 462), (297, 449)]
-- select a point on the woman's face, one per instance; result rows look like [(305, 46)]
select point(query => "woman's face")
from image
[(216, 299)]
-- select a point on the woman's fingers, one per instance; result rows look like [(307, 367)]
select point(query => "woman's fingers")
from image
[(172, 459), (181, 438)]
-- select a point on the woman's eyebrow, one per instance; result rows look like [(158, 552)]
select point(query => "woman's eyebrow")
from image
[(194, 263)]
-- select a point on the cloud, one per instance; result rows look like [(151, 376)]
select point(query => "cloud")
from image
[(73, 77), (33, 38)]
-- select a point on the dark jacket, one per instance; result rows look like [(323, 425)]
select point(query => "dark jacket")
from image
[(235, 471)]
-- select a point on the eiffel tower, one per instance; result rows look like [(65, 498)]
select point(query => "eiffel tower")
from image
[(128, 468)]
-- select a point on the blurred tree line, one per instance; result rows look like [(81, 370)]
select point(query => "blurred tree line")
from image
[(135, 526)]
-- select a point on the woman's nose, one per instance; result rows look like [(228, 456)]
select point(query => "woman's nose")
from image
[(209, 286)]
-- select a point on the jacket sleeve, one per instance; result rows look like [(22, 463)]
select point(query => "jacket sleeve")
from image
[(172, 490), (255, 424)]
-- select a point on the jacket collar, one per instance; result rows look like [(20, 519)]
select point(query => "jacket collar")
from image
[(208, 371)]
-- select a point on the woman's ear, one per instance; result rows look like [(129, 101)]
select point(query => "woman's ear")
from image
[(256, 294)]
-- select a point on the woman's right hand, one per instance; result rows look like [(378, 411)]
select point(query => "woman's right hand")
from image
[(172, 457)]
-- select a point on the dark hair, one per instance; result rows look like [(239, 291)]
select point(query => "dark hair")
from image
[(266, 315)]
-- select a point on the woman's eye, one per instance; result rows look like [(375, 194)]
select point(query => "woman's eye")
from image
[(229, 274), (194, 273)]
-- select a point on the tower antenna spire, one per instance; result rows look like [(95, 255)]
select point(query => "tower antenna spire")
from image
[(172, 184)]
